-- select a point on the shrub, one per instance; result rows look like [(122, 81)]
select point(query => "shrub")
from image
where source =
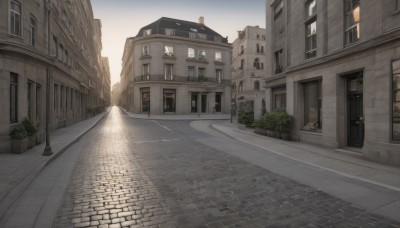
[(284, 122), (19, 133), (30, 127), (246, 116)]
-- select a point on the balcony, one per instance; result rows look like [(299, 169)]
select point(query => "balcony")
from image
[(174, 78)]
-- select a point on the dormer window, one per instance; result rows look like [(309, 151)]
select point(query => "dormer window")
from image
[(202, 36), (169, 32), (147, 32), (169, 51), (217, 39), (192, 35)]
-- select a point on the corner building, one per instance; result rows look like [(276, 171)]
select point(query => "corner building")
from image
[(176, 67), (338, 63), (56, 38)]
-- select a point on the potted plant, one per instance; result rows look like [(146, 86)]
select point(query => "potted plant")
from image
[(19, 140), (270, 124), (31, 129)]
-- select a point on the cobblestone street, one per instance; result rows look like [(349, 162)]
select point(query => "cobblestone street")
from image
[(142, 173)]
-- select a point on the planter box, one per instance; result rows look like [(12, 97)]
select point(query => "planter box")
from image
[(285, 136), (19, 146), (260, 131)]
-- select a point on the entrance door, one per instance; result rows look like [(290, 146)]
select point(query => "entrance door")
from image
[(203, 103), (194, 103), (355, 113)]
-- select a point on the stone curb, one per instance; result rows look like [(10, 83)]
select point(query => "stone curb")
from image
[(166, 119), (16, 192)]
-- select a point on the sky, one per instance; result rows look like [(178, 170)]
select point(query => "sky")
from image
[(124, 18)]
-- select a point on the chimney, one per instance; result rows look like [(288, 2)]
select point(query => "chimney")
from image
[(201, 20)]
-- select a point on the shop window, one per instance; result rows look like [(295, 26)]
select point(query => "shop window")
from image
[(169, 100), (145, 93), (312, 106)]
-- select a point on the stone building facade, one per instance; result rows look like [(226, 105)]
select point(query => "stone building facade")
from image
[(176, 67), (248, 69), (44, 40), (337, 62)]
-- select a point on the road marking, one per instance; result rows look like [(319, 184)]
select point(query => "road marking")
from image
[(162, 126), (157, 141)]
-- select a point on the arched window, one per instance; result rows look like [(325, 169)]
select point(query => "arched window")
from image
[(256, 85)]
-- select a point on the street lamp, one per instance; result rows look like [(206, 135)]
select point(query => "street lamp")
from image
[(47, 150)]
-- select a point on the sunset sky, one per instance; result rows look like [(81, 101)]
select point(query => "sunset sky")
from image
[(124, 18)]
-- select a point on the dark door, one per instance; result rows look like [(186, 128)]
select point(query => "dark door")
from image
[(194, 103), (356, 121), (203, 103), (218, 101)]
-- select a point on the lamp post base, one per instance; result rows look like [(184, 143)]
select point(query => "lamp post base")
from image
[(47, 151)]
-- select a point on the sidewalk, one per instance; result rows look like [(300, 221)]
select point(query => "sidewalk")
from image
[(320, 157), (202, 116), (17, 171)]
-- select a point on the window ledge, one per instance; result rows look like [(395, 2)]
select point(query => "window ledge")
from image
[(145, 57), (397, 12)]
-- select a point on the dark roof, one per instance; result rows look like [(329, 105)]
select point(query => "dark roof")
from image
[(182, 29)]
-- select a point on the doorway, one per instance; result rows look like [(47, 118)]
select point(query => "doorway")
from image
[(203, 103), (194, 103), (355, 111)]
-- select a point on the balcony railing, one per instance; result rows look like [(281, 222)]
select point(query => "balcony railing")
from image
[(175, 78)]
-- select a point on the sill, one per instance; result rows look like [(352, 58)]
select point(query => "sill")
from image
[(145, 57), (395, 13), (310, 132), (15, 36)]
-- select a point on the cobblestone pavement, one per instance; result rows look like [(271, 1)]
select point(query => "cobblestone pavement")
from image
[(154, 174)]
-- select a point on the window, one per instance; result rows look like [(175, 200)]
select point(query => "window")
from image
[(202, 36), (33, 31), (169, 100), (352, 12), (279, 98), (396, 101), (258, 48), (13, 98), (192, 35), (38, 101), (257, 63), (30, 98), (262, 49), (15, 18), (311, 9), (169, 32), (241, 64), (191, 53), (146, 71), (218, 56), (147, 32), (168, 76), (240, 89), (278, 61), (234, 87), (190, 72), (312, 106), (311, 39), (145, 51), (169, 51), (218, 102), (202, 54), (241, 50), (60, 52), (66, 57), (54, 46), (218, 73), (145, 92), (217, 39), (202, 73), (257, 85)]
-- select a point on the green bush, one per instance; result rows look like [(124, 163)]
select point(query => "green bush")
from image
[(246, 116), (30, 127), (284, 122), (19, 133)]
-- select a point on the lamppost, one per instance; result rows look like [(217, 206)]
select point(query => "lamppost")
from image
[(47, 150)]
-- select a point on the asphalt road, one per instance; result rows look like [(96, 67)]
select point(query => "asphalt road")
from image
[(145, 173)]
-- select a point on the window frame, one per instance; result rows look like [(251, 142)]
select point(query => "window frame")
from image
[(219, 75), (33, 30), (168, 92), (169, 50), (311, 52), (189, 53), (169, 72), (145, 50), (201, 56), (318, 128), (218, 56), (147, 32), (11, 13), (349, 28), (169, 32)]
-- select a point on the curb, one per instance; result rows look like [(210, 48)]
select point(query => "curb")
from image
[(16, 192)]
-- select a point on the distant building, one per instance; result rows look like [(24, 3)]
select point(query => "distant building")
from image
[(116, 94), (176, 67), (248, 69), (337, 64), (106, 82), (59, 37)]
